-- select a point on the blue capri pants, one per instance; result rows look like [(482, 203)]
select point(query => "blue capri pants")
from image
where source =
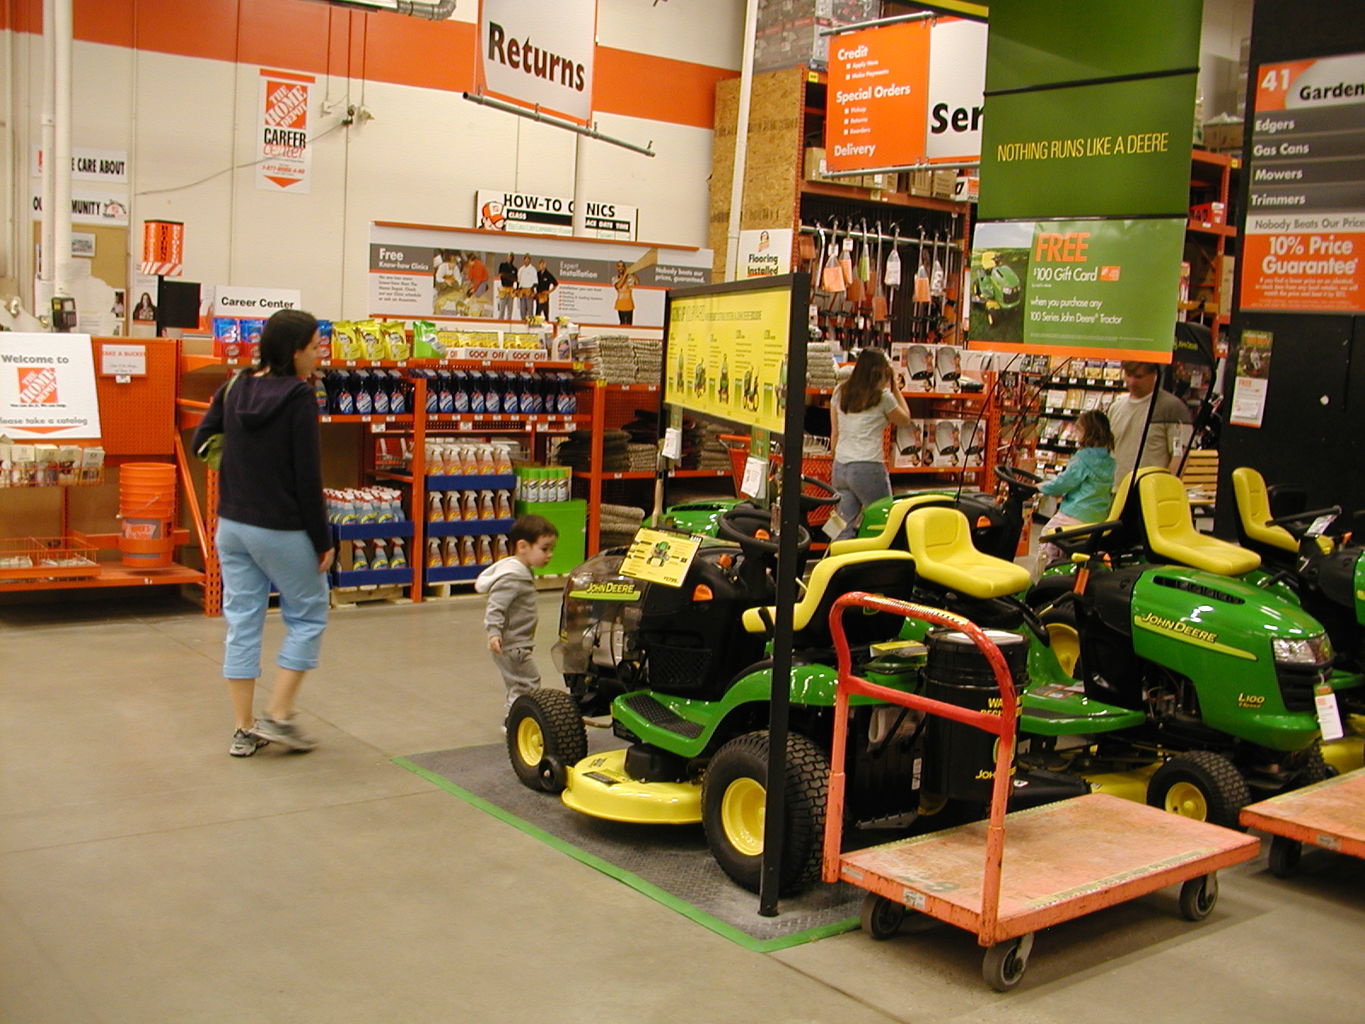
[(253, 557)]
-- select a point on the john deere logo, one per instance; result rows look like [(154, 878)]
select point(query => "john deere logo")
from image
[(607, 591), (1175, 626)]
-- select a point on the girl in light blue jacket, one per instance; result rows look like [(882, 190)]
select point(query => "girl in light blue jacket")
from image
[(1086, 485)]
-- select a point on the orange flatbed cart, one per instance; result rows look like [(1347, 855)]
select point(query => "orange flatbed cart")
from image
[(1330, 814), (1066, 859)]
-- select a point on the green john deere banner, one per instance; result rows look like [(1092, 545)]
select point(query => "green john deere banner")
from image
[(1089, 108), (1044, 42), (1111, 150), (1077, 287), (1088, 121)]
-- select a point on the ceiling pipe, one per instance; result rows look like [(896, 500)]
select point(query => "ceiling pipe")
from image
[(438, 10)]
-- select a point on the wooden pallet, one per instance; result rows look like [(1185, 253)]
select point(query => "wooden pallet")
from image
[(364, 595)]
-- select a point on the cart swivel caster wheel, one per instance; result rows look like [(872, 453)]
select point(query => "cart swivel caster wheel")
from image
[(1198, 897), (1005, 962), (881, 917), (1284, 856)]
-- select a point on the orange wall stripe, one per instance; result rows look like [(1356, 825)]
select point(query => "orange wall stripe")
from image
[(384, 47)]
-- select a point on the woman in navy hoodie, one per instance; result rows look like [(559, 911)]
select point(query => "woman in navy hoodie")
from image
[(272, 525)]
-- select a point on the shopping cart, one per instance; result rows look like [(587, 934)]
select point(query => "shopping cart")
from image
[(817, 462), (1066, 858)]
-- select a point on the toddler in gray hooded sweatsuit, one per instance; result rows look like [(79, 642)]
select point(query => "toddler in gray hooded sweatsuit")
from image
[(509, 619)]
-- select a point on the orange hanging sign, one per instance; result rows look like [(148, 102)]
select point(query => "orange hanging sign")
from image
[(878, 97), (163, 247)]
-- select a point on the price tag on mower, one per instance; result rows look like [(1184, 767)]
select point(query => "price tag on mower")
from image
[(1329, 715), (660, 556)]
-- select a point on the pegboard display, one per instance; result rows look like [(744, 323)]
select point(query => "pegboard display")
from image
[(137, 417)]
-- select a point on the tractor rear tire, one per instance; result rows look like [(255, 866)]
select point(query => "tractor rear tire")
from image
[(734, 800), (1202, 785), (545, 736)]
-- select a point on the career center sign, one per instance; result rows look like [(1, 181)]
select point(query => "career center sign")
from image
[(240, 301)]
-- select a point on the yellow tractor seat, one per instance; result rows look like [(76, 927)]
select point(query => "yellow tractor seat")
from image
[(940, 540), (1253, 512), (892, 536), (889, 573), (1171, 534)]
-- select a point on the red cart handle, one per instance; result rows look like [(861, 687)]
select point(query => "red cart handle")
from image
[(1003, 725)]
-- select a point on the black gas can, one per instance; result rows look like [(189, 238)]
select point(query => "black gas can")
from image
[(960, 759)]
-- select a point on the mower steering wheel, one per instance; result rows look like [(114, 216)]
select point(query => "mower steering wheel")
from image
[(750, 527), (1020, 478), (1066, 539)]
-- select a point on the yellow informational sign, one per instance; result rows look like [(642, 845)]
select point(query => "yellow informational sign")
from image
[(658, 556), (727, 355)]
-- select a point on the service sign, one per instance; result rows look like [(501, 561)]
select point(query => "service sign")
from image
[(957, 79), (47, 387), (1305, 225), (539, 54)]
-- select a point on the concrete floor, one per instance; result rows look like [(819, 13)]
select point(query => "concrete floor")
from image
[(145, 876)]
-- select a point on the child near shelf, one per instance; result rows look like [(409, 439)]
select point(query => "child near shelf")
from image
[(1086, 486), (509, 618)]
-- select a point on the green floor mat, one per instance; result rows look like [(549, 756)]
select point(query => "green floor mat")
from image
[(670, 864)]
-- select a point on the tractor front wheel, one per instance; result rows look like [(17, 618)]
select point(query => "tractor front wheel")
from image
[(1201, 785), (545, 735)]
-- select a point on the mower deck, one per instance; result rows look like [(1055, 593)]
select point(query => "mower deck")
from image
[(599, 786), (1062, 860)]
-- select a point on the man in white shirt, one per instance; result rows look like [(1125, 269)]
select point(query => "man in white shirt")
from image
[(527, 280), (1168, 434)]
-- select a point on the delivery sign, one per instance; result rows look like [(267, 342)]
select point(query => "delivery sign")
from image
[(282, 148)]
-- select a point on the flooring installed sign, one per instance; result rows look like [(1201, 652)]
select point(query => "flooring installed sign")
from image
[(1081, 287), (1305, 224), (539, 54)]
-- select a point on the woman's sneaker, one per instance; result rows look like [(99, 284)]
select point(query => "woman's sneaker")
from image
[(244, 744), (286, 734)]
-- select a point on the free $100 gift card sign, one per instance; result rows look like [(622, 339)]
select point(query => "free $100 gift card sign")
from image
[(1095, 288)]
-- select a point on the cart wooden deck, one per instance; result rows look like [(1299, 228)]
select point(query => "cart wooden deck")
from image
[(1330, 814), (1062, 860)]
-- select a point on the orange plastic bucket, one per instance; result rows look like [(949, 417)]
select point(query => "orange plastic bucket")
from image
[(147, 510)]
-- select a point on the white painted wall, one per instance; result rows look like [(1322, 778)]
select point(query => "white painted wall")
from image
[(188, 126)]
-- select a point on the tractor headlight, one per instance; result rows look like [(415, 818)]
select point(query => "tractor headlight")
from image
[(1312, 650)]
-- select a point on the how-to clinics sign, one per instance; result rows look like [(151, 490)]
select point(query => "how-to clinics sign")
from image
[(539, 54)]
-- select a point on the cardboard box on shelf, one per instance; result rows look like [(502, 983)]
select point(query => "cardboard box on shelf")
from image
[(815, 169), (948, 442), (1210, 213), (943, 183), (908, 445), (1221, 138), (921, 183)]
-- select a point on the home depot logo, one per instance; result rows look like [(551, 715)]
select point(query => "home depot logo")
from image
[(38, 386), (1109, 273)]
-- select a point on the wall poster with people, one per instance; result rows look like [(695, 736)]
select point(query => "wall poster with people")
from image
[(436, 273)]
